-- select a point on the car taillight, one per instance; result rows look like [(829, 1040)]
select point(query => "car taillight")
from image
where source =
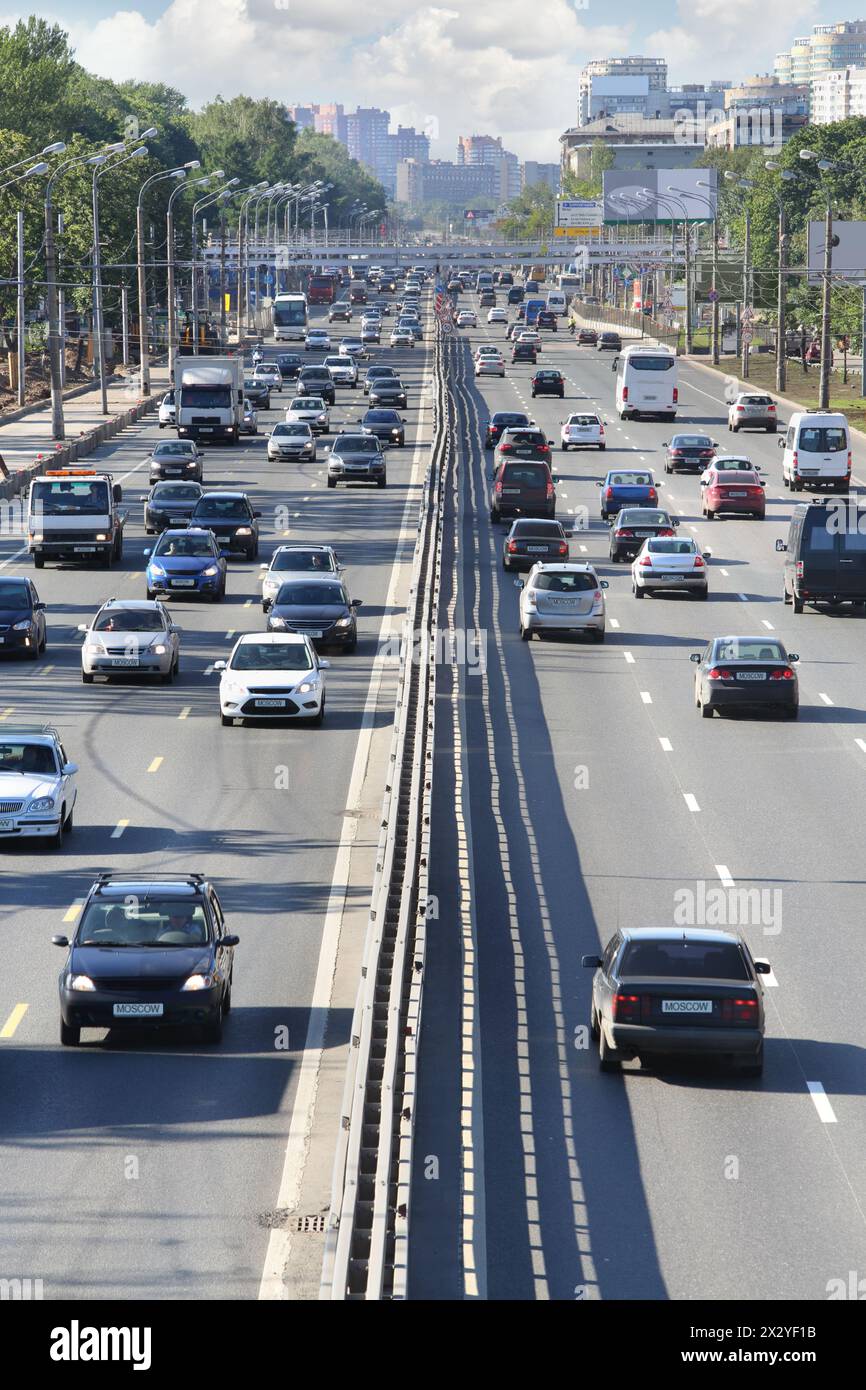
[(666, 531), (506, 448), (544, 449), (786, 675), (601, 429), (563, 547), (596, 598), (626, 1008), (718, 673), (770, 407), (512, 546), (739, 1010), (608, 492), (799, 569), (626, 531), (676, 453), (849, 460), (625, 393), (706, 453), (755, 491), (497, 487), (794, 461), (741, 408), (652, 493), (676, 395), (699, 563), (646, 561)]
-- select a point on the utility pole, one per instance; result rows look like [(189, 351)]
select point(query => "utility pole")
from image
[(781, 330), (144, 368), (171, 290), (124, 323), (715, 291), (222, 276), (746, 330), (22, 358), (98, 344), (826, 348), (58, 430)]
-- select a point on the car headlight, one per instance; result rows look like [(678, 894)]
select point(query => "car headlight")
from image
[(234, 692), (42, 803), (210, 571), (198, 982), (277, 622), (95, 644), (21, 627), (307, 686), (80, 982), (343, 622), (158, 571), (159, 648), (36, 536), (243, 531), (192, 463)]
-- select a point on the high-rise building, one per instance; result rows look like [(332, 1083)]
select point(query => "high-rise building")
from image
[(440, 181), (622, 80), (829, 48), (367, 137), (330, 119), (838, 94), (532, 174), (486, 151), (303, 116)]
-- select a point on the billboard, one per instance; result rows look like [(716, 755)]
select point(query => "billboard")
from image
[(578, 212), (644, 195), (849, 252), (729, 281)]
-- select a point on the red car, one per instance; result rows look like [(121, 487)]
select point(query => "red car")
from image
[(588, 336), (546, 319), (732, 485)]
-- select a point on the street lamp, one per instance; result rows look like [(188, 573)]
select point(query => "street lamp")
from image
[(57, 148), (748, 310), (826, 165), (171, 289), (243, 240), (144, 363), (712, 205), (28, 174), (98, 331), (218, 196)]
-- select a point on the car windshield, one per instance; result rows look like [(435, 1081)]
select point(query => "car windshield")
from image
[(356, 444), (824, 440), (191, 547), (664, 547), (733, 465), (143, 922), (533, 475), (755, 400), (650, 364), (684, 960), (314, 560), (373, 372), (746, 649), (173, 449), (27, 758), (14, 593), (565, 582), (271, 656), (547, 376), (691, 441), (298, 429), (642, 516), (223, 508), (307, 403), (84, 498), (507, 418), (129, 620), (381, 417), (518, 436), (583, 420), (175, 492), (296, 594)]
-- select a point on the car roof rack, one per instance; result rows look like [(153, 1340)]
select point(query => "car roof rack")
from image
[(47, 729), (106, 876)]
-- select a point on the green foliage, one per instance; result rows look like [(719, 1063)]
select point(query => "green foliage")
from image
[(318, 156), (36, 66), (531, 213), (250, 139)]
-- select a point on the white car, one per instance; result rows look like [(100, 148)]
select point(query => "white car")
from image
[(291, 441), (670, 564), (402, 337), (467, 318), (296, 559), (343, 370), (497, 316), (489, 365), (282, 662), (37, 785), (353, 347), (309, 410), (487, 350), (269, 374), (529, 335), (562, 596), (317, 339), (167, 410), (583, 430)]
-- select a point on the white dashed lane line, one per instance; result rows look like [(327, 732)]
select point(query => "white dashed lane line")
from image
[(724, 874), (646, 697), (691, 801), (667, 746), (822, 1104), (825, 698)]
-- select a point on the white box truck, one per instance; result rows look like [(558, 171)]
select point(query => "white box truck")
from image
[(73, 515), (209, 399)]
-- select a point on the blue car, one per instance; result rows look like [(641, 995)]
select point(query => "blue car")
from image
[(628, 487), (188, 562)]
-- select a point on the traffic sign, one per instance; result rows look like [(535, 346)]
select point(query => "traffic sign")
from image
[(747, 315), (713, 296)]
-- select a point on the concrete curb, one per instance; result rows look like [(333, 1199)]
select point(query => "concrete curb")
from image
[(74, 449)]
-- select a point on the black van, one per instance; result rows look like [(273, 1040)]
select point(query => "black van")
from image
[(825, 554)]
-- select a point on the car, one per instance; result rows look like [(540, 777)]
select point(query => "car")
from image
[(250, 418), (343, 370), (497, 316), (169, 504), (486, 350), (516, 294), (340, 309), (387, 425), (272, 675), (167, 410), (454, 286), (375, 372), (317, 606), (186, 562), (309, 410), (175, 458), (726, 489), (825, 559), (504, 277), (402, 337), (132, 636), (562, 597), (586, 337), (530, 337), (413, 326), (530, 541), (524, 352), (490, 364), (678, 992), (354, 348), (609, 342), (297, 559), (689, 453), (670, 564), (294, 440), (817, 451), (258, 392), (548, 383), (22, 618), (583, 430), (467, 318), (752, 410), (270, 374), (317, 381), (384, 307), (522, 487), (317, 340), (513, 331), (633, 525), (627, 488), (290, 364), (546, 318), (149, 951), (371, 333), (486, 298), (502, 420), (38, 790), (357, 458), (522, 442), (231, 517), (746, 673), (387, 391)]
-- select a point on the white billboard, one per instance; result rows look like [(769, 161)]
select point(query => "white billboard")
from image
[(848, 248), (659, 195)]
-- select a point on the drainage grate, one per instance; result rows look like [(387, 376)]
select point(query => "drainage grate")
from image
[(310, 1225)]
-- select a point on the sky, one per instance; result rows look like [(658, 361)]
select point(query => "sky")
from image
[(498, 67)]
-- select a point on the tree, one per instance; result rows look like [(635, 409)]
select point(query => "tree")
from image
[(252, 140), (319, 156), (531, 213), (36, 65)]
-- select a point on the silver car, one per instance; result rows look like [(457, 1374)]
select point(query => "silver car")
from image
[(752, 410), (250, 421), (309, 410), (560, 597), (291, 441), (296, 559), (670, 564), (37, 785), (133, 636)]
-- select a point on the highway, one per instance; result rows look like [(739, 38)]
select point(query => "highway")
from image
[(157, 1167), (577, 789)]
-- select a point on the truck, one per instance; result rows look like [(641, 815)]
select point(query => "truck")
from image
[(209, 401), (73, 514)]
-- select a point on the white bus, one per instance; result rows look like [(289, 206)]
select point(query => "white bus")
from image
[(646, 382), (290, 317)]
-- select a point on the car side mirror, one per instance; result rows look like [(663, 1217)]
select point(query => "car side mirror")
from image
[(39, 607), (268, 435), (324, 665), (69, 769), (590, 962), (762, 966), (263, 567), (147, 552), (519, 584), (793, 657), (82, 627), (143, 497), (715, 443), (174, 630), (356, 602), (707, 554), (227, 941), (781, 545), (117, 492), (219, 665), (695, 657), (60, 941), (256, 513)]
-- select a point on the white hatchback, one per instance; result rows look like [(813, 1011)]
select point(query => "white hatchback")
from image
[(583, 430), (272, 675), (309, 410)]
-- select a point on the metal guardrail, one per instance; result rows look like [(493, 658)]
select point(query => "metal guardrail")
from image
[(367, 1234)]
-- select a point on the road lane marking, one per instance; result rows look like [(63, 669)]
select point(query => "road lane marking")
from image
[(767, 625), (121, 825), (248, 603), (629, 658), (667, 746), (13, 1020), (769, 981), (72, 913), (724, 572), (156, 764), (822, 1104), (7, 711), (184, 714), (646, 697), (744, 597), (724, 874), (825, 698), (230, 634), (614, 622), (208, 670), (861, 744), (691, 801)]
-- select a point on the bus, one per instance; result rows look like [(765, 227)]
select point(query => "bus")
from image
[(290, 317), (646, 382)]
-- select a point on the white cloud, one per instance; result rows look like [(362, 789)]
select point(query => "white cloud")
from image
[(727, 38)]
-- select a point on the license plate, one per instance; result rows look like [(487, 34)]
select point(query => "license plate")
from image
[(650, 398), (224, 540), (315, 632), (687, 1006), (270, 704), (667, 578), (182, 583), (177, 521), (537, 549), (7, 824), (644, 533), (206, 429), (511, 490), (137, 1010), (738, 494), (751, 675), (84, 549), (124, 661), (562, 602)]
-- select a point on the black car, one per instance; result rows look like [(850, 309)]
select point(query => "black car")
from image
[(746, 673), (524, 352), (666, 991), (587, 336), (547, 319), (169, 504), (386, 390), (487, 299), (341, 309), (320, 608), (378, 371), (317, 381), (155, 953), (516, 294), (547, 382), (689, 453), (258, 393), (357, 458), (503, 420), (504, 277), (290, 365), (232, 519), (387, 425), (22, 618), (609, 342), (532, 541), (633, 525)]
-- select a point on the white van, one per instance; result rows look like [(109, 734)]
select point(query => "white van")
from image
[(646, 382), (556, 302), (817, 448)]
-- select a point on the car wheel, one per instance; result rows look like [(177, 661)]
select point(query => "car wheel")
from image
[(793, 712), (608, 1057), (69, 1035), (318, 719), (771, 429), (38, 561), (702, 593), (598, 634), (87, 678), (593, 1024), (226, 720), (213, 1032), (564, 447), (602, 446), (68, 824), (637, 591), (797, 602), (168, 676), (735, 429), (332, 482), (151, 594), (55, 841), (525, 633), (381, 482)]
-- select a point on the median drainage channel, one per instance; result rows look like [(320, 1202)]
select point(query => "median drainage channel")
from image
[(366, 1236)]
